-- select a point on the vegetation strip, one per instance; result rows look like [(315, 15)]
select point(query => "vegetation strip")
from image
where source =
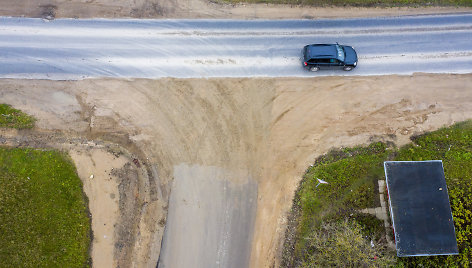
[(326, 218), (361, 3), (13, 118)]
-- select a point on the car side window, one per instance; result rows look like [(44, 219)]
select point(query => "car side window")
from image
[(334, 61), (323, 61)]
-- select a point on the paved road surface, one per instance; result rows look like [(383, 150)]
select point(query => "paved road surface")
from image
[(75, 49), (210, 220)]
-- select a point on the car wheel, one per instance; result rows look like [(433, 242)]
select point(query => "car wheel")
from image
[(347, 68), (315, 69)]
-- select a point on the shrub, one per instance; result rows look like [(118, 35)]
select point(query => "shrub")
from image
[(342, 244)]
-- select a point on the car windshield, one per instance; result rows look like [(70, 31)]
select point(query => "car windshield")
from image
[(340, 52)]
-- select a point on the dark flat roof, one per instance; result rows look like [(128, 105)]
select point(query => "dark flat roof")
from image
[(420, 209)]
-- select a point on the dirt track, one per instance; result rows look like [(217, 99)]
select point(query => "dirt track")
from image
[(194, 9), (270, 128)]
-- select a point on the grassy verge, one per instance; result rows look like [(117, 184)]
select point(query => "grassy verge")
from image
[(13, 118), (360, 3), (43, 212), (352, 175)]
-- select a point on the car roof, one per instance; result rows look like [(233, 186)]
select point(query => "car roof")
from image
[(321, 51)]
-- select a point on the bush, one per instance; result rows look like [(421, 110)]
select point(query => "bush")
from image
[(342, 244)]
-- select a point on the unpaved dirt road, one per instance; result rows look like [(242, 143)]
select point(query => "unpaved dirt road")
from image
[(76, 49), (231, 132), (194, 9)]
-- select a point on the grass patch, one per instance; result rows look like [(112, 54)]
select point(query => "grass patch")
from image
[(13, 118), (352, 174), (360, 3), (43, 212)]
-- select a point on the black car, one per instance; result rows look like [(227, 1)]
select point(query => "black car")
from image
[(329, 56)]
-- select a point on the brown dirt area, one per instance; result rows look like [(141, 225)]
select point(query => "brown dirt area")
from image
[(130, 134), (194, 9)]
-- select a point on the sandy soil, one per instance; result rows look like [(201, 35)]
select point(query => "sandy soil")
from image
[(271, 129), (102, 190), (193, 9)]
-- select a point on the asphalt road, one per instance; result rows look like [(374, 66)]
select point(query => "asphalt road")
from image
[(75, 49), (211, 219)]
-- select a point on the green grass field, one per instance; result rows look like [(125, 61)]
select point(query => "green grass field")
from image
[(12, 118), (43, 213), (360, 3), (352, 174)]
